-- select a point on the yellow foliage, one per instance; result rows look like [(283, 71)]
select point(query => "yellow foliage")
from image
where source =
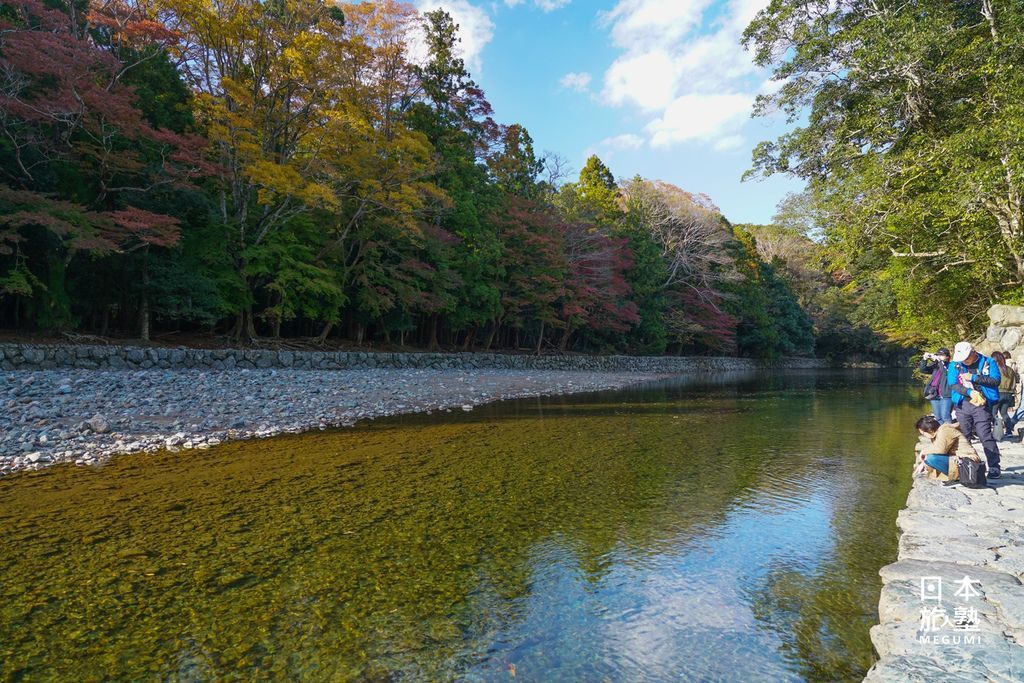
[(301, 108)]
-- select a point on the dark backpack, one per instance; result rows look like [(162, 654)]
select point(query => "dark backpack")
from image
[(972, 473), (932, 393)]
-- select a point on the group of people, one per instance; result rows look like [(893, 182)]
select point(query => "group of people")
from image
[(972, 396)]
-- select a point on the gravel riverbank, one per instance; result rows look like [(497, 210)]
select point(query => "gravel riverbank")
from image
[(86, 416), (933, 627)]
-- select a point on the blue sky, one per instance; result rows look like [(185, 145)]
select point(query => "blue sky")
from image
[(657, 88)]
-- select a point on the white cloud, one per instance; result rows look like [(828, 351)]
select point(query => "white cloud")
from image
[(623, 142), (729, 142), (683, 63), (475, 29), (699, 117), (576, 81), (771, 86), (708, 62), (545, 5), (646, 22), (645, 79)]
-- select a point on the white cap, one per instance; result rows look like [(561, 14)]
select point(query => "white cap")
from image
[(961, 351)]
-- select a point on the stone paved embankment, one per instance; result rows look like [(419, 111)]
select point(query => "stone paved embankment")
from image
[(948, 533)]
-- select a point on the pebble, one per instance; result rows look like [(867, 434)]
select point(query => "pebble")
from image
[(85, 416), (98, 424)]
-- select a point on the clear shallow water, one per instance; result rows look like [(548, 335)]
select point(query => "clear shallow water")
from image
[(726, 531)]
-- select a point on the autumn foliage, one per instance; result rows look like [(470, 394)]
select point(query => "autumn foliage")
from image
[(299, 168)]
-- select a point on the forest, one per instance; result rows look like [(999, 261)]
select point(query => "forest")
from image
[(257, 170), (907, 124)]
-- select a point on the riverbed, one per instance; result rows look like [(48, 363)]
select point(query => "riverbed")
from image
[(85, 416), (719, 530)]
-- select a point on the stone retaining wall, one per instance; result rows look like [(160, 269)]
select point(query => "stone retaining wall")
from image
[(948, 534), (1005, 332), (41, 357)]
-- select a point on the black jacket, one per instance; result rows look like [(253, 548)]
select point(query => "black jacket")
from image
[(929, 367)]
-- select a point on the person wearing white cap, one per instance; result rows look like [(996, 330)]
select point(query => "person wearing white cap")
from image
[(974, 384)]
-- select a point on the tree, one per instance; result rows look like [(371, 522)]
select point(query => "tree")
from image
[(262, 78), (533, 264), (913, 142), (379, 169), (288, 168), (455, 116), (769, 319), (515, 167), (691, 237), (691, 240), (79, 156), (594, 198), (598, 295)]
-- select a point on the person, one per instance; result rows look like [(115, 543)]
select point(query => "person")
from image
[(1001, 420), (945, 442), (1018, 399), (936, 389), (974, 385)]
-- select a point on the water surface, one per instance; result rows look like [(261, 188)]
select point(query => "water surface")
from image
[(719, 531)]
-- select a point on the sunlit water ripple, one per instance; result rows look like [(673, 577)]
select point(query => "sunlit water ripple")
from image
[(715, 531)]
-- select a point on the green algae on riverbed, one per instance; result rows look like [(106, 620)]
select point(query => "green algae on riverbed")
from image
[(719, 532)]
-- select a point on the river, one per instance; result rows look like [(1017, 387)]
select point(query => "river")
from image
[(714, 530)]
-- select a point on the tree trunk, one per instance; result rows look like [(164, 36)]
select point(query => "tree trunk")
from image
[(1012, 223), (322, 337), (989, 13), (245, 323), (250, 324), (244, 330), (144, 319), (433, 345), (490, 335), (540, 337), (275, 322), (144, 306), (563, 344)]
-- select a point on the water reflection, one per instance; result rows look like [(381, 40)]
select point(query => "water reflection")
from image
[(723, 529)]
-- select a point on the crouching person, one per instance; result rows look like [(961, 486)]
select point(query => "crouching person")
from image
[(939, 458)]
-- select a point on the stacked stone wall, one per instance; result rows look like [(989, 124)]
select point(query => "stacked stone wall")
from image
[(42, 357), (1005, 332)]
